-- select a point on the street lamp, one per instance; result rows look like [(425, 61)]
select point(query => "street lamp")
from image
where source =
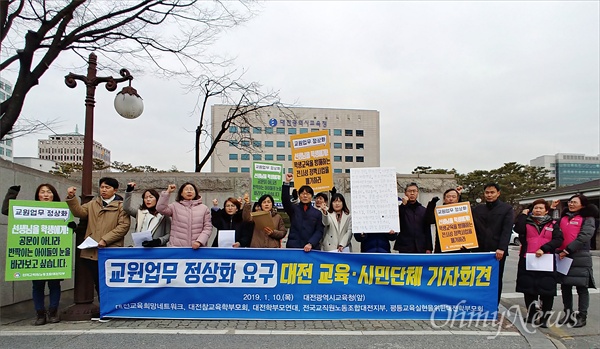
[(129, 105)]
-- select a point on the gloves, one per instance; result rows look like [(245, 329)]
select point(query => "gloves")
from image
[(16, 188), (151, 243), (72, 225), (333, 191), (435, 199), (129, 188)]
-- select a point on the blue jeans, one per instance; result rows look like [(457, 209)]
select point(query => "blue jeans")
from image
[(38, 293)]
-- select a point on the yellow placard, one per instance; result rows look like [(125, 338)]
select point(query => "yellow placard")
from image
[(311, 155), (455, 227)]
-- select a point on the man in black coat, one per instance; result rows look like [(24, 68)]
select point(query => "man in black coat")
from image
[(415, 234), (493, 225)]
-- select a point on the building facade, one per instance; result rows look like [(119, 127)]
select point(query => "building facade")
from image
[(6, 145), (568, 168), (354, 137), (68, 147)]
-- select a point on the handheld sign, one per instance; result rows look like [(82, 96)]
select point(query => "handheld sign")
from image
[(455, 227)]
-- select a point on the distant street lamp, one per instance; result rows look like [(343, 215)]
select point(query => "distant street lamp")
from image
[(129, 105)]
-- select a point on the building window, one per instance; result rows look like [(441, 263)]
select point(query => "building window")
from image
[(280, 130), (337, 145), (269, 157), (348, 158), (290, 170), (291, 131), (280, 157), (233, 143), (233, 156), (269, 144), (245, 143), (245, 157), (290, 157), (269, 130), (257, 157), (256, 130), (360, 146), (347, 170), (232, 129), (337, 158), (245, 129), (245, 169), (256, 144), (348, 146), (348, 132), (314, 129), (337, 132), (360, 133), (337, 170), (360, 159), (233, 170), (303, 130), (280, 144)]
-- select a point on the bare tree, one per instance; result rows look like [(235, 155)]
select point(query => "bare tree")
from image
[(34, 33), (247, 105), (24, 127)]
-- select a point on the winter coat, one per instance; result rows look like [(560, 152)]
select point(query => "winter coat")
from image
[(336, 233), (11, 194), (159, 225), (109, 223), (223, 221), (306, 225), (580, 273), (260, 239), (375, 242), (493, 226), (415, 234), (547, 233), (190, 220)]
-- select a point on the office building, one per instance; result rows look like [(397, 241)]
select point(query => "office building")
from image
[(568, 168), (354, 137), (68, 147)]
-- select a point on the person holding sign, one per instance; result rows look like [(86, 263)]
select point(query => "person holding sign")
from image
[(306, 228), (577, 226), (229, 218), (190, 219), (539, 235), (338, 225), (268, 228), (108, 223), (44, 192), (147, 217), (451, 196)]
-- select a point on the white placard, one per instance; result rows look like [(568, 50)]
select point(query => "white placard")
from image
[(140, 237), (226, 238), (563, 265), (88, 243), (544, 262), (374, 200)]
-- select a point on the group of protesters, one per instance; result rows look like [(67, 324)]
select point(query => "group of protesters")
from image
[(327, 225)]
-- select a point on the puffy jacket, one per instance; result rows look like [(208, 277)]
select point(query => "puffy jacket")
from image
[(493, 226), (109, 223), (306, 226), (190, 220)]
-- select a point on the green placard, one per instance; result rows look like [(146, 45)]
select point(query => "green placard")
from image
[(39, 245), (267, 178)]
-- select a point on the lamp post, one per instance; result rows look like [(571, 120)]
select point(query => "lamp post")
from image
[(129, 105)]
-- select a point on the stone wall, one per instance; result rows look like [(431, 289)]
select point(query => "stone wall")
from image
[(211, 186)]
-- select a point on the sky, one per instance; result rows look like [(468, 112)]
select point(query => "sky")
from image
[(467, 85)]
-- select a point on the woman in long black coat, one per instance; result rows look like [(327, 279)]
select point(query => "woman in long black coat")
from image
[(539, 234)]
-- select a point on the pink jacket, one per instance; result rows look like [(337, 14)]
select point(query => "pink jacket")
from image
[(190, 220)]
